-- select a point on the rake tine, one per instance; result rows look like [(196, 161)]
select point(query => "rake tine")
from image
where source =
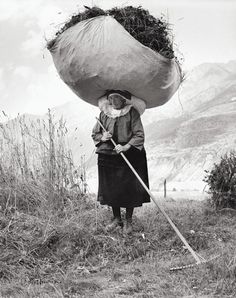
[(194, 264), (184, 267), (200, 257)]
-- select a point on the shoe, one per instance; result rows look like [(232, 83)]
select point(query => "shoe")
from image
[(128, 228), (116, 223)]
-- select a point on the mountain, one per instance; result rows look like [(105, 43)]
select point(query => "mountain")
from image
[(181, 147)]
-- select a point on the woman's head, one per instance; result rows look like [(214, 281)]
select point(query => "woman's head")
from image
[(118, 99)]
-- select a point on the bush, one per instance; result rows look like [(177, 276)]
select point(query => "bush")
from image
[(222, 182)]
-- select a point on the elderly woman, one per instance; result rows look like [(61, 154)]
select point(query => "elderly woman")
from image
[(118, 186)]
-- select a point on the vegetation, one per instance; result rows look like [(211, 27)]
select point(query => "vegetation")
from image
[(222, 182), (152, 32), (53, 241), (36, 164)]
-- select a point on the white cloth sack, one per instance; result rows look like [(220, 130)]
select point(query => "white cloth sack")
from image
[(98, 54)]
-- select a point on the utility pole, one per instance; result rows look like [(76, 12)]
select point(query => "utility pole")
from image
[(165, 188), (85, 183)]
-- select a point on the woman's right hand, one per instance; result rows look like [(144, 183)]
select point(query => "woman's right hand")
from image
[(106, 136)]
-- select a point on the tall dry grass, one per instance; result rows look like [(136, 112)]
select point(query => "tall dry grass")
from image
[(36, 164), (41, 199)]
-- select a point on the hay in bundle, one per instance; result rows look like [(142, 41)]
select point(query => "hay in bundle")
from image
[(150, 31)]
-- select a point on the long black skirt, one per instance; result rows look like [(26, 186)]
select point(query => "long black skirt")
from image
[(118, 186)]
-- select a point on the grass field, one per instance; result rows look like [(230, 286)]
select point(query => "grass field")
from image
[(53, 241), (68, 253)]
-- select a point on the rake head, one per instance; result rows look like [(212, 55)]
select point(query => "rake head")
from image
[(201, 262)]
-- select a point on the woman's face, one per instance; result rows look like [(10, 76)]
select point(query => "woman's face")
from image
[(117, 101)]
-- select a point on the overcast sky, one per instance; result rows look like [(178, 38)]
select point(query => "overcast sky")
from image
[(205, 31)]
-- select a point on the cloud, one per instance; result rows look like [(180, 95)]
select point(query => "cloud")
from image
[(39, 18), (2, 84), (14, 10), (30, 91), (45, 91), (44, 12), (8, 9), (34, 44), (23, 71)]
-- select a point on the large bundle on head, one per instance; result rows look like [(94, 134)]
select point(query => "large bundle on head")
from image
[(125, 49)]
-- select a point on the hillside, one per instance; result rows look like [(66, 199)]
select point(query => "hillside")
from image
[(181, 148)]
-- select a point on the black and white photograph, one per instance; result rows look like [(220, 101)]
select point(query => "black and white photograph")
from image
[(118, 148)]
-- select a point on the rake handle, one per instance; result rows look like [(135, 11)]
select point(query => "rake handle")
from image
[(193, 253)]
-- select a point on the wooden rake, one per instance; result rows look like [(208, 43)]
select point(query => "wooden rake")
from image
[(199, 259)]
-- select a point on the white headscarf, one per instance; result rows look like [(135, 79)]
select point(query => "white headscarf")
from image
[(106, 107)]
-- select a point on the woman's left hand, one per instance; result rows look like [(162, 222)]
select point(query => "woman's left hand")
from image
[(119, 148)]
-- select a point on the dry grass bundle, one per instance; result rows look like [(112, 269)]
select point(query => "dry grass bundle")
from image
[(152, 32)]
